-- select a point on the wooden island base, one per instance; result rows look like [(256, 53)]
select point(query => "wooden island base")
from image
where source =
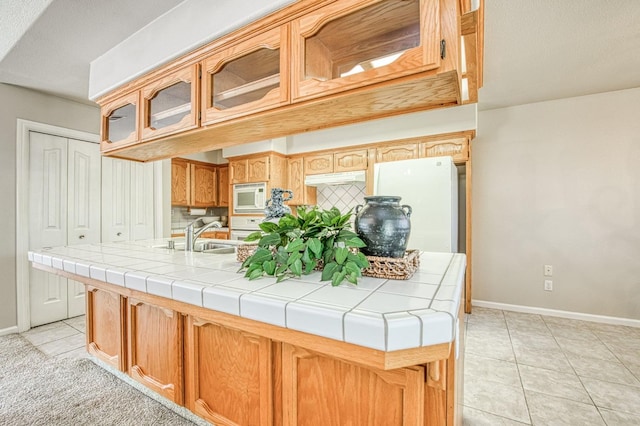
[(235, 371)]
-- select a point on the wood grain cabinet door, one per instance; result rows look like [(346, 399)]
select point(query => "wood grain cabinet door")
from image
[(349, 44), (397, 152), (350, 161), (106, 327), (180, 182), (258, 169), (250, 76), (229, 375), (238, 170), (170, 104), (223, 186), (318, 390), (317, 164), (458, 148), (119, 122), (203, 185), (155, 349)]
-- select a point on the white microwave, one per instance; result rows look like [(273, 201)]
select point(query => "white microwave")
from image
[(249, 198)]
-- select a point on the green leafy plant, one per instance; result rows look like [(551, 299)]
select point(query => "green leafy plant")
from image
[(299, 244)]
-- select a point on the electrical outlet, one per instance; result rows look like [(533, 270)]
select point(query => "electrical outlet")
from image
[(548, 285), (548, 270)]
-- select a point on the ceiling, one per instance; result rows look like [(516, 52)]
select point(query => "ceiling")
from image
[(534, 50)]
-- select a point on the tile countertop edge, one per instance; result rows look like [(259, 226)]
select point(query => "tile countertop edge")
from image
[(409, 328)]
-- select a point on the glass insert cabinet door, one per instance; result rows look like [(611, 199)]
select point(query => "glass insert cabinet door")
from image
[(247, 77), (353, 43), (120, 122), (170, 104)]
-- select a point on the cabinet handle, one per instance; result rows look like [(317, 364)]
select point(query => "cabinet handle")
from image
[(81, 237)]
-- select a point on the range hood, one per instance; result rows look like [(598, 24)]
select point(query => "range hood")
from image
[(345, 178)]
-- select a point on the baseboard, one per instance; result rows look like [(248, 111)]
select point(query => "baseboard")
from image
[(9, 330), (557, 313)]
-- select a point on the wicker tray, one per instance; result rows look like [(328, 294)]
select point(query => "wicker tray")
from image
[(244, 251), (393, 268)]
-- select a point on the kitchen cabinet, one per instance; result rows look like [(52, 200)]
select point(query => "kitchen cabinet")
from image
[(406, 151), (354, 43), (155, 337), (105, 319), (170, 104), (247, 77), (229, 378), (350, 161), (375, 397), (270, 168), (195, 184), (127, 200), (120, 122), (458, 148), (302, 194), (318, 164), (223, 186)]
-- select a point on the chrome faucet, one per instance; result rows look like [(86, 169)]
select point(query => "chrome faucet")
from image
[(190, 236)]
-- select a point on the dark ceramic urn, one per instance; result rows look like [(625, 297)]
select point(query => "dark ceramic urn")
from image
[(384, 225)]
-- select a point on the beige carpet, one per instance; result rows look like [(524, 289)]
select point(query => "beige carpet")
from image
[(36, 389)]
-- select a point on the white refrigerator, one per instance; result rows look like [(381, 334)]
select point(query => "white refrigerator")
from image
[(430, 187)]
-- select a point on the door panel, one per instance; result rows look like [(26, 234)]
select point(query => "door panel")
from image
[(84, 193), (141, 201), (116, 192)]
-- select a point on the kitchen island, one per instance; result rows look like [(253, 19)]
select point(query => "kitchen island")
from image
[(233, 351)]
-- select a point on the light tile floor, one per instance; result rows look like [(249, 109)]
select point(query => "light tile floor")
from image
[(520, 369)]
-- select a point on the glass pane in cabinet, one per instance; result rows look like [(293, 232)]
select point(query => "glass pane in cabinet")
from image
[(369, 38), (170, 105), (246, 79), (121, 123)]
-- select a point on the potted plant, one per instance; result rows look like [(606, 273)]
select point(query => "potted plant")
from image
[(312, 239)]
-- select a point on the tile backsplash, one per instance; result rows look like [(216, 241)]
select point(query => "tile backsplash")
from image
[(180, 216), (344, 197)]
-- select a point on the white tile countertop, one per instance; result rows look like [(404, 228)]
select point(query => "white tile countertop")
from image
[(381, 314)]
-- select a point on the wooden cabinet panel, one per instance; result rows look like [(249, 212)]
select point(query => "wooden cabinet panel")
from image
[(170, 104), (106, 327), (258, 169), (458, 148), (318, 390), (238, 171), (119, 122), (302, 194), (229, 375), (354, 43), (248, 77), (350, 161), (317, 164), (223, 186), (397, 152), (155, 349), (180, 182), (204, 182)]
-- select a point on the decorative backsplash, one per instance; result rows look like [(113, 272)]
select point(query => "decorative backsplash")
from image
[(344, 197), (180, 216)]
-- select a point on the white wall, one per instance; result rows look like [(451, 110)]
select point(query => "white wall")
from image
[(29, 105), (559, 183)]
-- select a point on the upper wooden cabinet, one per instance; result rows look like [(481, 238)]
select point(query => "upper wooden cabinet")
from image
[(120, 122), (223, 186), (344, 161), (195, 184), (308, 66), (170, 104), (302, 194), (354, 43), (248, 77), (261, 168), (406, 151), (458, 148)]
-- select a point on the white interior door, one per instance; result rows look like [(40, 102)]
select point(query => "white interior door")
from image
[(116, 193), (142, 208), (83, 209), (64, 209)]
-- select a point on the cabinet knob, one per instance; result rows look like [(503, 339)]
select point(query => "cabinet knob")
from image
[(119, 234), (81, 237)]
